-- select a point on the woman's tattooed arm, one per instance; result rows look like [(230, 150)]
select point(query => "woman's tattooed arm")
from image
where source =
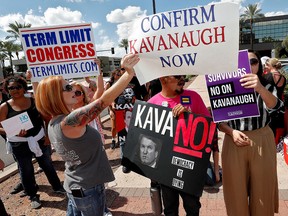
[(83, 115)]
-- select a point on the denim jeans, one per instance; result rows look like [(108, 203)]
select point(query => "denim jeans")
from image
[(210, 176), (170, 197), (23, 156), (92, 204)]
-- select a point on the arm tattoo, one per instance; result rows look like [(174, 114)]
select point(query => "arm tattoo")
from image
[(83, 115)]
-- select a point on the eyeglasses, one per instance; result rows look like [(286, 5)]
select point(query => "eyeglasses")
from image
[(78, 93), (11, 88), (254, 61), (178, 77), (68, 88)]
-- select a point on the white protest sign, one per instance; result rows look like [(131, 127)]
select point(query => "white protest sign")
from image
[(15, 124), (66, 50), (200, 40)]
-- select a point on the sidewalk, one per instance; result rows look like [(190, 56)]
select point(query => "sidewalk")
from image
[(129, 194)]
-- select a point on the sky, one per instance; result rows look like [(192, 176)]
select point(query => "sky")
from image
[(110, 18)]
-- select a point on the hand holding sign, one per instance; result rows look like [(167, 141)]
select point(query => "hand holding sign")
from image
[(17, 125)]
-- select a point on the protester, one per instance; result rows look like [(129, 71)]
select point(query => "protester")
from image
[(82, 100), (3, 98), (115, 75), (277, 79), (3, 95), (125, 103), (153, 87), (249, 153), (28, 143), (170, 96), (80, 145), (90, 86)]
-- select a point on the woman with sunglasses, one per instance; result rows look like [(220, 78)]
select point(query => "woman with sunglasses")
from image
[(115, 75), (83, 99), (28, 143), (249, 155), (80, 145)]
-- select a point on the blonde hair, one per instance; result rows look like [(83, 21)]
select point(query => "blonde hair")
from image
[(274, 62), (49, 97), (86, 99)]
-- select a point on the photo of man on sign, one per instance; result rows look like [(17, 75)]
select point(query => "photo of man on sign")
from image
[(149, 150)]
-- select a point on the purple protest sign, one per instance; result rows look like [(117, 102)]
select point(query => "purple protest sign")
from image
[(229, 100)]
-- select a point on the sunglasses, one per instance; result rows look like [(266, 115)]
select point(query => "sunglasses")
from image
[(178, 77), (254, 61), (11, 88), (68, 88), (78, 93)]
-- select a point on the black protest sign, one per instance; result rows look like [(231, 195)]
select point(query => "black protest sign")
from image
[(172, 151)]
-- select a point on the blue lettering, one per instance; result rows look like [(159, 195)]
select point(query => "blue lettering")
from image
[(142, 25), (40, 39), (154, 22), (75, 35), (211, 13), (177, 60)]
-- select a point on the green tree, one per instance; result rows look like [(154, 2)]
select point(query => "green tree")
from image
[(3, 56), (124, 44), (285, 43), (251, 12), (8, 48), (14, 30), (267, 39)]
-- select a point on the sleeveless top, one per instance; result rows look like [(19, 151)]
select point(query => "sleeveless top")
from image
[(86, 162), (280, 89), (34, 116)]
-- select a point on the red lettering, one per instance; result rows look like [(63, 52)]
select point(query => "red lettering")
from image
[(49, 52), (58, 53), (40, 55), (195, 129), (203, 37), (90, 49), (31, 55), (196, 122), (150, 44), (75, 51), (187, 151), (162, 43), (67, 52), (222, 34), (181, 126), (132, 48), (143, 46)]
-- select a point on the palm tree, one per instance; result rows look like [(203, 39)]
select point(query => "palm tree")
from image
[(252, 11), (8, 48), (14, 30), (3, 55), (124, 43)]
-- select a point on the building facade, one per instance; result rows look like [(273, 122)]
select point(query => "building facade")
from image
[(268, 33)]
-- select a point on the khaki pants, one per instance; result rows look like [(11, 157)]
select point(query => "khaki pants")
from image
[(249, 175)]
